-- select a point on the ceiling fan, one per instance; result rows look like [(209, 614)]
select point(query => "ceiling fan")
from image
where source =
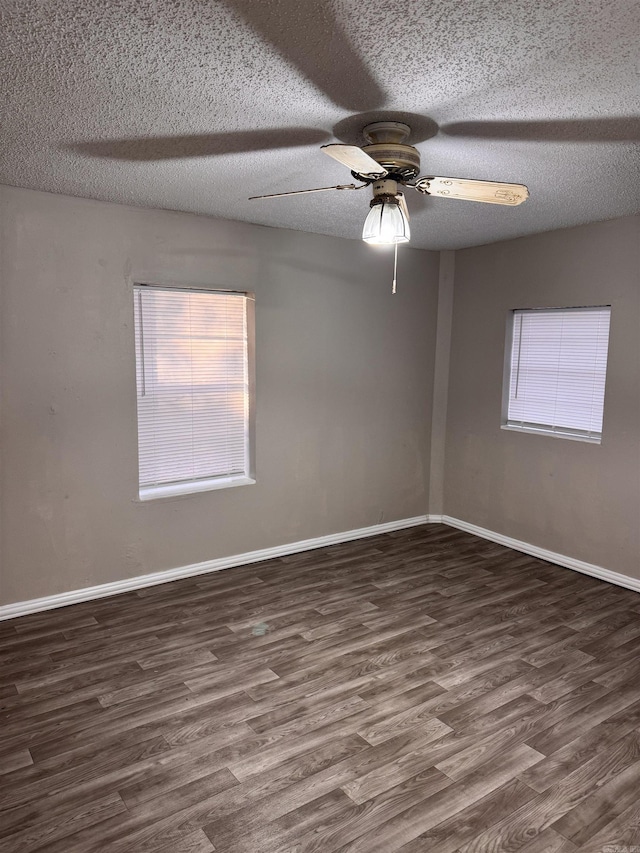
[(386, 162)]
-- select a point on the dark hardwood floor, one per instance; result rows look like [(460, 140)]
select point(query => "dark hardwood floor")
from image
[(422, 691)]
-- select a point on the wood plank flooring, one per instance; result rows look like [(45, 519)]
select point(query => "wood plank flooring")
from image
[(422, 691)]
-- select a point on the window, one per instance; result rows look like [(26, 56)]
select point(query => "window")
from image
[(193, 382), (556, 371)]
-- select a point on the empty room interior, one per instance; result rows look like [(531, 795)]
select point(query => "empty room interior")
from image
[(320, 426)]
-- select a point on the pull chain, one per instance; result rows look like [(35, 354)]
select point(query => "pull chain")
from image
[(395, 266)]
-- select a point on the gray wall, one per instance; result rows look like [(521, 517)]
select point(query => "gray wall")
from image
[(577, 499), (344, 376), (441, 382)]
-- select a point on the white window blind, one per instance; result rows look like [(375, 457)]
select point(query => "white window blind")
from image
[(558, 370), (192, 388)]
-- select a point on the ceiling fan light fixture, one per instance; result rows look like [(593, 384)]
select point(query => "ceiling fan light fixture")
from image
[(386, 223)]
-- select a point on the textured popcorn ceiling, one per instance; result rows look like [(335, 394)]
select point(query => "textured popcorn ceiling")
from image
[(105, 98)]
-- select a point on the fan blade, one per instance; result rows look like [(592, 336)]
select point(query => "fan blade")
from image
[(315, 190), (402, 202), (490, 192), (354, 158)]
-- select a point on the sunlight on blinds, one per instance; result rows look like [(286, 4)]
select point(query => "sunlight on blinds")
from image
[(558, 369), (192, 384)]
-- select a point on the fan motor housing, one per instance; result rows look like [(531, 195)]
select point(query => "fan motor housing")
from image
[(402, 162)]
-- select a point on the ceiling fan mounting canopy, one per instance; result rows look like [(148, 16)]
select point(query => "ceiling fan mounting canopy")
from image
[(386, 131)]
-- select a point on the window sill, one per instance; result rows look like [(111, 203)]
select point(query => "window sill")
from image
[(171, 490), (553, 433)]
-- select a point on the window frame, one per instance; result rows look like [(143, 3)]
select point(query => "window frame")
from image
[(204, 484), (572, 434)]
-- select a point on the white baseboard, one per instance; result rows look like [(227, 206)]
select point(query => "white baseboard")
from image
[(49, 602), (543, 554)]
